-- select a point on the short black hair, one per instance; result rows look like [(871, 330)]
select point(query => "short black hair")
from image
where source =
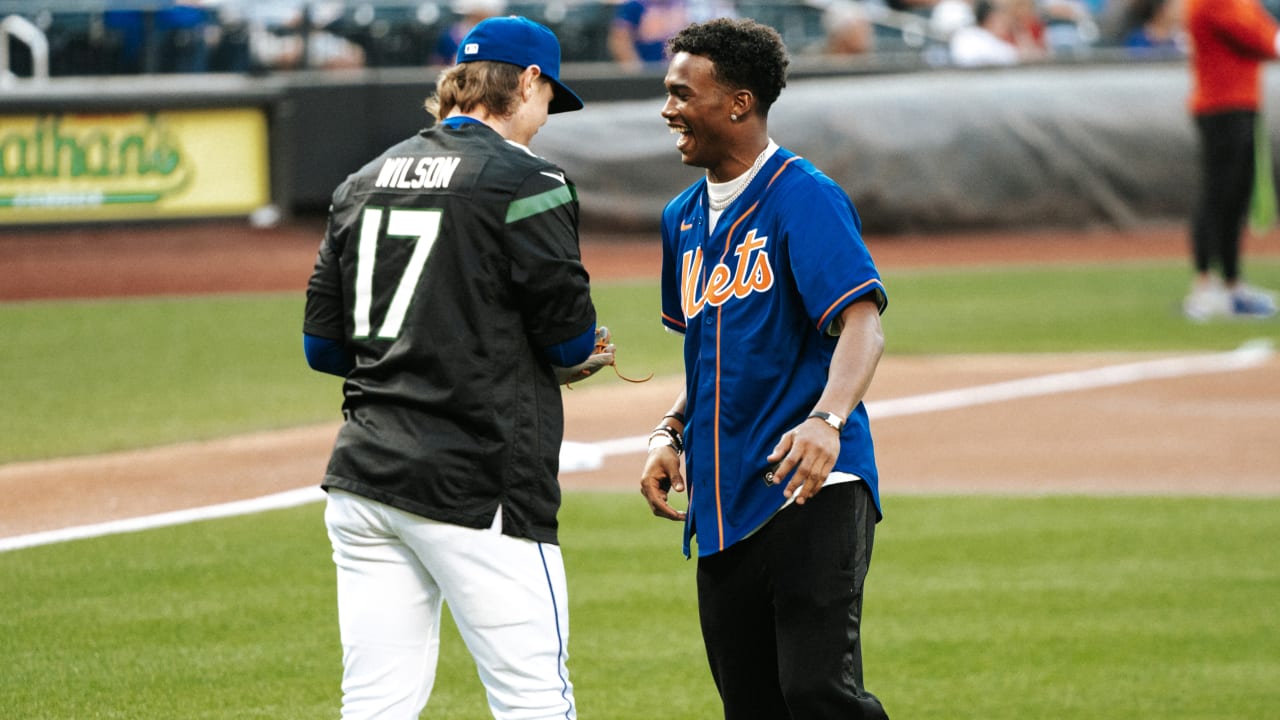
[(745, 54)]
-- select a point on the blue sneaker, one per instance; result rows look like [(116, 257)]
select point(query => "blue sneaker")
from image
[(1251, 302)]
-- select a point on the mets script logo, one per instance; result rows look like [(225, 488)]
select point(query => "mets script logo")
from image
[(753, 274)]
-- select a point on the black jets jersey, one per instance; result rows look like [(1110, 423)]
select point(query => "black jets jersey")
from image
[(448, 263)]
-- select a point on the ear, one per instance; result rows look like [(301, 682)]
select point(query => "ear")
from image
[(528, 81), (742, 103)]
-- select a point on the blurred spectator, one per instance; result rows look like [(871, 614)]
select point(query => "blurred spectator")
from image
[(1154, 27), (1230, 39), (988, 40), (229, 37), (1027, 29), (1097, 8), (848, 29), (1070, 25), (641, 28), (297, 38), (918, 7), (165, 39), (948, 16), (1113, 20), (470, 13)]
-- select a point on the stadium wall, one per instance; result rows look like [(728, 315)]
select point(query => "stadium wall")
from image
[(1072, 146)]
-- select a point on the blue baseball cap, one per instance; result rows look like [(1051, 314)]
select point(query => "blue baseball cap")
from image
[(521, 42)]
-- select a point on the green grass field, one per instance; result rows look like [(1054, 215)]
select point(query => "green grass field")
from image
[(108, 375), (991, 608), (978, 607)]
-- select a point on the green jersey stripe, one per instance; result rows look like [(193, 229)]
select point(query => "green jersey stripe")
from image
[(540, 203)]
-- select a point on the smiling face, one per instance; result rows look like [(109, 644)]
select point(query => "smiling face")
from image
[(697, 111)]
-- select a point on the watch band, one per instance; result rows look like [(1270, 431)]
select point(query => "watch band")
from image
[(832, 419)]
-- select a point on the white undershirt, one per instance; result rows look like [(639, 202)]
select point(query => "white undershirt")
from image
[(835, 478), (724, 190)]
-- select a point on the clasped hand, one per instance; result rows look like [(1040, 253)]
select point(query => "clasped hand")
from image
[(599, 359)]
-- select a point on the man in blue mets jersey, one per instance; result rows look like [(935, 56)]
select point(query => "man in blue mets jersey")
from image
[(766, 275)]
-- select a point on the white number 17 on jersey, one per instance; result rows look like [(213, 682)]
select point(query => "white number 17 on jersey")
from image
[(424, 225)]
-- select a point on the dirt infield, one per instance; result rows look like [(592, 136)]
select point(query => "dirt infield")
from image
[(233, 257), (1208, 433)]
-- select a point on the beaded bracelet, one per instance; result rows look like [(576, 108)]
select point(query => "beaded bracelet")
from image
[(658, 440), (666, 435)]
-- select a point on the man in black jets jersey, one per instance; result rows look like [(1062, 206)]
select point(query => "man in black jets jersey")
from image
[(450, 294)]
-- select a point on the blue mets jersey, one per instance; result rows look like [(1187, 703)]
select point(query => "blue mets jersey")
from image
[(755, 300)]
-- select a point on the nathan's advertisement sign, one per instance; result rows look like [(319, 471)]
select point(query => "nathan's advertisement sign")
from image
[(67, 167)]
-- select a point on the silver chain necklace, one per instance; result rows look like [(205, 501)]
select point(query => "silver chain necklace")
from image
[(751, 175)]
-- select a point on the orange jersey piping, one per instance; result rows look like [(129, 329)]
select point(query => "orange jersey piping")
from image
[(823, 320), (728, 242)]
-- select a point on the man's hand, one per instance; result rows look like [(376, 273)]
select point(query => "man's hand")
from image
[(600, 358), (810, 450), (662, 474)]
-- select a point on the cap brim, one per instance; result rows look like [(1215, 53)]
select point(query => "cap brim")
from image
[(564, 99)]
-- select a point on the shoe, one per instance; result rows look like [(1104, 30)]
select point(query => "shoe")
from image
[(1251, 302), (1206, 303)]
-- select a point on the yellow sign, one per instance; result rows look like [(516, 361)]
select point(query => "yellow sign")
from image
[(67, 167)]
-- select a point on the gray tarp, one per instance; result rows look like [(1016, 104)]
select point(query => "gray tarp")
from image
[(1034, 146), (1072, 145)]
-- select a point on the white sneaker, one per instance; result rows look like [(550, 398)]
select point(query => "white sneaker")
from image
[(1204, 304)]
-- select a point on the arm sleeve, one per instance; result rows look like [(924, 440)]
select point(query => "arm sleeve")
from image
[(550, 282), (673, 317), (628, 14), (831, 262), (327, 355), (1249, 27), (324, 314), (572, 351)]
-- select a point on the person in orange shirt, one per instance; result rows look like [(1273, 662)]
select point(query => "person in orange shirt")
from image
[(1229, 41)]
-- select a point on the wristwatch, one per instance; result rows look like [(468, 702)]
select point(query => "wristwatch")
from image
[(832, 419)]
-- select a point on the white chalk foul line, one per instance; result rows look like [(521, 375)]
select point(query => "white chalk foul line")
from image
[(277, 501), (578, 456), (1249, 355)]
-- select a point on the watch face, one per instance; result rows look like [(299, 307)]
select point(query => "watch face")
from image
[(831, 419)]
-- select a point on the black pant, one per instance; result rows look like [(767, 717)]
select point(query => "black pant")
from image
[(1226, 183), (781, 612)]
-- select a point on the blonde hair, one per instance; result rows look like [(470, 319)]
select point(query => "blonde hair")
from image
[(466, 86)]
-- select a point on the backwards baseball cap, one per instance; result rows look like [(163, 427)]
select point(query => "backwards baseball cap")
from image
[(521, 42)]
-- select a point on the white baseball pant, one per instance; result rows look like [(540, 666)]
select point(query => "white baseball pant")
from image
[(507, 596)]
